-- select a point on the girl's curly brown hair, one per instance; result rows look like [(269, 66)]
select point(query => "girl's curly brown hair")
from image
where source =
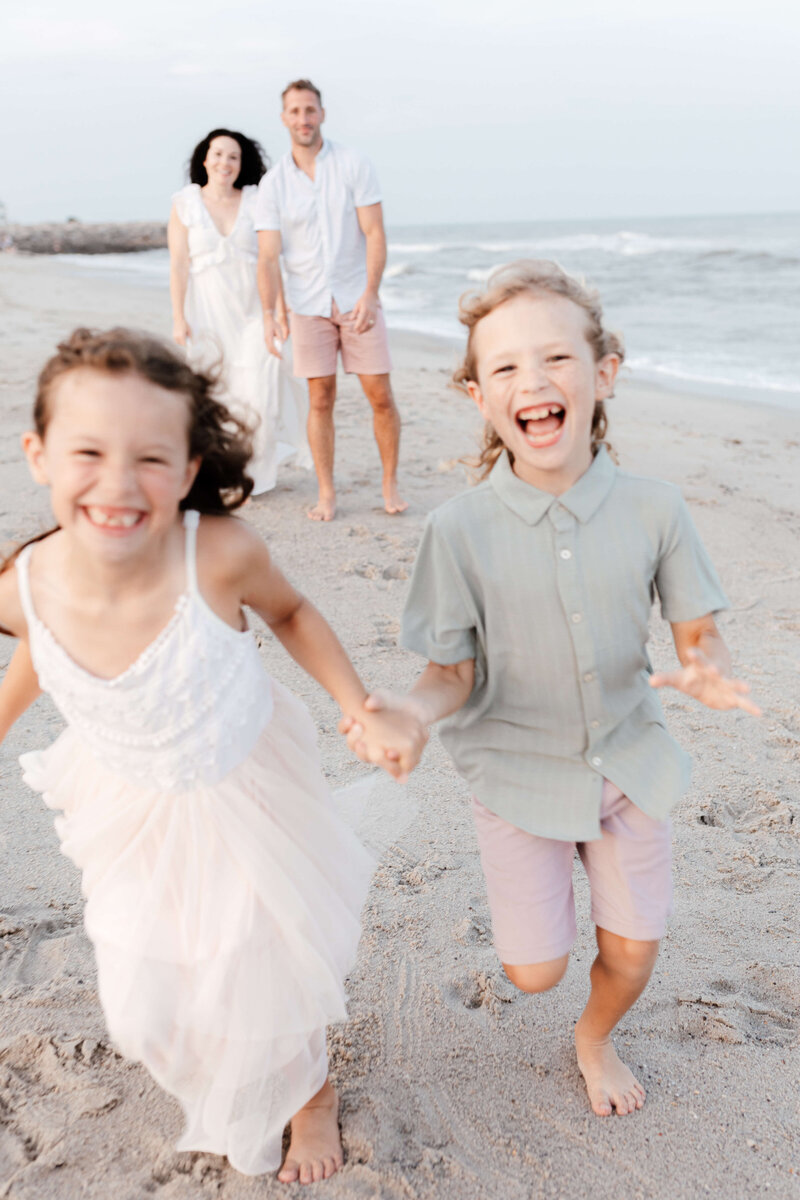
[(536, 277), (219, 439)]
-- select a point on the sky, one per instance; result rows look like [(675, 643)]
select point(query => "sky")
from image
[(471, 110)]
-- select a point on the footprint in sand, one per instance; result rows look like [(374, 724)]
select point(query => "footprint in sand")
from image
[(762, 1008)]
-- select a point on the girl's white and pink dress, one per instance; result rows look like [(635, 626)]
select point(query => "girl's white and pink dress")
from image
[(223, 892), (224, 315)]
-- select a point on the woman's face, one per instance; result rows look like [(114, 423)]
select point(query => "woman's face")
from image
[(223, 162)]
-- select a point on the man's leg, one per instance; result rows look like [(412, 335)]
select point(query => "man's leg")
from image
[(619, 975), (386, 426), (321, 398)]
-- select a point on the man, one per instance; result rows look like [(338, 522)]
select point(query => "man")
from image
[(320, 207)]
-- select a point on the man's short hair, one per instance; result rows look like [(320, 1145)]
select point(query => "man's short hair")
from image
[(301, 85)]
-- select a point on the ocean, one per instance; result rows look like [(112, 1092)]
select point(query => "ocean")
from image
[(709, 303)]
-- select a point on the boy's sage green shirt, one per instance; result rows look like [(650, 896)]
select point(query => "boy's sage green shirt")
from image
[(551, 595)]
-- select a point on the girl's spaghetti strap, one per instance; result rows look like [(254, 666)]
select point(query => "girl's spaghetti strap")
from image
[(191, 522)]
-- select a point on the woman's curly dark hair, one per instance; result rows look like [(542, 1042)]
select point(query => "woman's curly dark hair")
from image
[(254, 161)]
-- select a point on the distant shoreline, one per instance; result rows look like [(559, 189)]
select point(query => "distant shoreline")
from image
[(79, 237)]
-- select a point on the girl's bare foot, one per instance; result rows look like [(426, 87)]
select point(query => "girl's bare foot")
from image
[(391, 499), (315, 1148), (610, 1084), (324, 509)]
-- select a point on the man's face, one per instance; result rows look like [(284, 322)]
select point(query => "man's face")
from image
[(303, 116)]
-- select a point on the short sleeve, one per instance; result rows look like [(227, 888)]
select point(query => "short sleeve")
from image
[(687, 584), (364, 183), (185, 204), (438, 621), (267, 213)]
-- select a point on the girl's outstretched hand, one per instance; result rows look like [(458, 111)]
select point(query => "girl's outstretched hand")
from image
[(706, 683), (388, 733)]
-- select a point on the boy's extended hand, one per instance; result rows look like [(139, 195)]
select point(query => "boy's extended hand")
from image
[(388, 733), (706, 683)]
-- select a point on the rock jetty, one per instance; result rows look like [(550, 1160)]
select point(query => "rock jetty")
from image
[(76, 237)]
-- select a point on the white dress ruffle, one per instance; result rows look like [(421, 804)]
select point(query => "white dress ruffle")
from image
[(224, 914), (224, 314)]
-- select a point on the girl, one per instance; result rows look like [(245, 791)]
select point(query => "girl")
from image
[(222, 892), (530, 599), (213, 252)]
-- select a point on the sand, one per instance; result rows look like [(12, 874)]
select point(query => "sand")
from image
[(454, 1086)]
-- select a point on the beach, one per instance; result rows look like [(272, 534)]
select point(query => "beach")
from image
[(454, 1086)]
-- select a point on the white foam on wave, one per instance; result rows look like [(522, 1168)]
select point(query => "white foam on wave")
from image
[(625, 242), (750, 380), (398, 269), (154, 263), (417, 247)]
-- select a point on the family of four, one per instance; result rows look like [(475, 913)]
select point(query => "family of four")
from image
[(223, 890)]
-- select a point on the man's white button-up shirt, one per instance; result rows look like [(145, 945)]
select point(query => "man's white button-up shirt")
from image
[(324, 250)]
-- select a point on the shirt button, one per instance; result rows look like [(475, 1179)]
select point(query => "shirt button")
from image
[(588, 677), (597, 761), (595, 724), (566, 553), (576, 617)]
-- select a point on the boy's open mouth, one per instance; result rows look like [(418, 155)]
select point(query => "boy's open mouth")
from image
[(543, 424)]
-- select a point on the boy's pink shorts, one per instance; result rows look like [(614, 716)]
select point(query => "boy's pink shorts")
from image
[(316, 342), (529, 880)]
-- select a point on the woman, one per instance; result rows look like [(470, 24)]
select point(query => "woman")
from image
[(216, 310)]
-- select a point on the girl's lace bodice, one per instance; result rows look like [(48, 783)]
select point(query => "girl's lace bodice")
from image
[(184, 714)]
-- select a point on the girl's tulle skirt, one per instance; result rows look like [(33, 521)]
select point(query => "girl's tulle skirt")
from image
[(224, 920)]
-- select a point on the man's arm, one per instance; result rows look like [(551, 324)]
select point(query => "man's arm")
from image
[(370, 221), (269, 288)]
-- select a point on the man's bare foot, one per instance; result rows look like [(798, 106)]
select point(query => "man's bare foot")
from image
[(610, 1084), (324, 509), (391, 499), (315, 1148)]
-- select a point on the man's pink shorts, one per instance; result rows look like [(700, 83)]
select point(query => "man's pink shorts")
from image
[(529, 880), (316, 342)]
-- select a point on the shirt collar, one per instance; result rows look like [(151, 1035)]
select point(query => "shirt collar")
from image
[(582, 500), (323, 153)]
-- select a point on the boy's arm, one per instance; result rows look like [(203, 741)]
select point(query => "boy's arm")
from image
[(439, 691), (705, 671), (19, 688)]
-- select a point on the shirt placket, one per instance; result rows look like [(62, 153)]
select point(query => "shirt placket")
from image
[(574, 604), (319, 200)]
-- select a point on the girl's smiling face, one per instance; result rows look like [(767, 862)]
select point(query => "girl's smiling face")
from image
[(538, 382), (115, 455)]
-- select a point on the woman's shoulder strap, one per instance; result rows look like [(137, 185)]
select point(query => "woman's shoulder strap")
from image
[(187, 202)]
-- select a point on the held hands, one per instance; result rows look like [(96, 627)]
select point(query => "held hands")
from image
[(365, 312), (275, 326), (388, 733), (706, 683), (181, 333)]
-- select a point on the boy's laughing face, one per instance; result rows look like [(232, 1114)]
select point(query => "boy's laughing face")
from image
[(538, 383)]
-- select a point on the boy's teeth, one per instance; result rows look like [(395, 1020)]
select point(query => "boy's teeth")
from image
[(538, 414)]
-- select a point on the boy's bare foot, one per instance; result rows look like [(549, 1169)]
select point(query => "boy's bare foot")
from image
[(610, 1084), (391, 499), (315, 1147), (324, 509)]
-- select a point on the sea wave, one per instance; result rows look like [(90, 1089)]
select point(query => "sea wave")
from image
[(750, 380)]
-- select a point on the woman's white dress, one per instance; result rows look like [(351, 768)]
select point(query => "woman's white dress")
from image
[(223, 892), (224, 315)]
